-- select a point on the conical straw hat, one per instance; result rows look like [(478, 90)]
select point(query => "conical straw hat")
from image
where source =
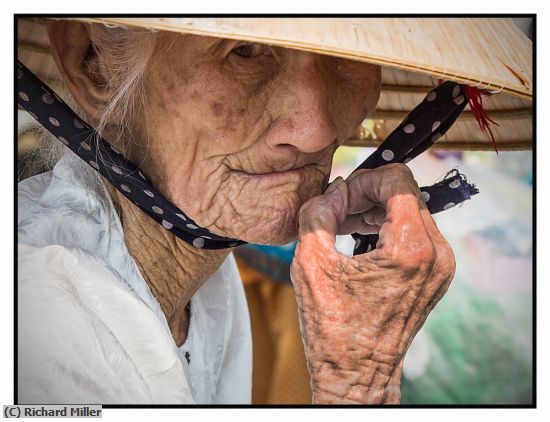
[(490, 53)]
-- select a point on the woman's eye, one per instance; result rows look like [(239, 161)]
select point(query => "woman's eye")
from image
[(248, 51)]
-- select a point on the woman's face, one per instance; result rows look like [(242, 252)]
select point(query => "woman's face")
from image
[(240, 135)]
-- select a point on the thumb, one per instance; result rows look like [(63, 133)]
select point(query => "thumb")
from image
[(324, 214)]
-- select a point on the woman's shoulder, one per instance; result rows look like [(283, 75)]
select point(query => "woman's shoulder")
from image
[(64, 206), (86, 338), (68, 268)]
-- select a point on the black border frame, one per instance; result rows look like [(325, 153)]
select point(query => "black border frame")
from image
[(306, 406)]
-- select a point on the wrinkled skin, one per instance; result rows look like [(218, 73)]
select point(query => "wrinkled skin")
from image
[(241, 137), (230, 118), (359, 315)]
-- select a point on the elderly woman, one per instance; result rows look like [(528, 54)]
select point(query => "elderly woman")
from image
[(114, 308)]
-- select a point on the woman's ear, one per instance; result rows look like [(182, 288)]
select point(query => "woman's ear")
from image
[(78, 63)]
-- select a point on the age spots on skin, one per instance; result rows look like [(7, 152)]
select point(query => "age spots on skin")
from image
[(217, 108), (225, 117)]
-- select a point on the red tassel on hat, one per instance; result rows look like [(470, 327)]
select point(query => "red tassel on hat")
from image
[(475, 100)]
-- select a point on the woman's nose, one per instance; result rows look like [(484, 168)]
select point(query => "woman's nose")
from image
[(304, 115)]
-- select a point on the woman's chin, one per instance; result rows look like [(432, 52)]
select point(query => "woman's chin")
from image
[(280, 235), (281, 228), (266, 218)]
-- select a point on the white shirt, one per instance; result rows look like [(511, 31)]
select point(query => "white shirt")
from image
[(90, 330)]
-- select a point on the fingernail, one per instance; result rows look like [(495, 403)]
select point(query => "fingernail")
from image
[(334, 185)]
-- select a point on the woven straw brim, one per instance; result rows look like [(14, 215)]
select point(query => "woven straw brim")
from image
[(414, 52)]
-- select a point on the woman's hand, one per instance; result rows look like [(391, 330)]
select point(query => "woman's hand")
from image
[(359, 315)]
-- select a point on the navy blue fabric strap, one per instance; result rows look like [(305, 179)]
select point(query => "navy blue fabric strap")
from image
[(424, 126)]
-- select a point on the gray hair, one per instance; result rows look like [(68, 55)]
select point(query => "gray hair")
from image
[(124, 54)]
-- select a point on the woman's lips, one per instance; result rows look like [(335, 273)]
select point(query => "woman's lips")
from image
[(295, 175)]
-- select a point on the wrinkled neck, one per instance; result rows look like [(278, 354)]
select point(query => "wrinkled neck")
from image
[(173, 269)]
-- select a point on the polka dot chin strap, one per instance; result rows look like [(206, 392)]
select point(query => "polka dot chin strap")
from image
[(424, 126), (56, 116)]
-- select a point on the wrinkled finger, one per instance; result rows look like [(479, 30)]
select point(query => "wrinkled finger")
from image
[(445, 260), (356, 224), (360, 195), (364, 223), (322, 215), (371, 188), (403, 236)]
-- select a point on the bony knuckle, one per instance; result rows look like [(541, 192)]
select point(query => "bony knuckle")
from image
[(309, 206), (314, 213), (428, 252), (400, 170), (446, 261), (420, 257)]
